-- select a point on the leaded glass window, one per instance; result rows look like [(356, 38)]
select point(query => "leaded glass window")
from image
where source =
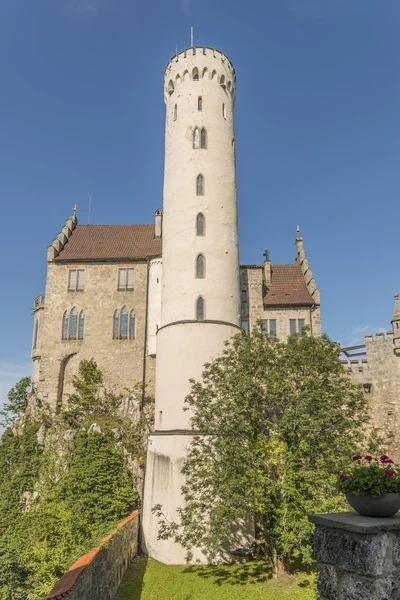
[(200, 309), (73, 324), (200, 264), (124, 323)]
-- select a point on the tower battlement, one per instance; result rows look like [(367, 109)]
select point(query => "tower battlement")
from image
[(197, 64)]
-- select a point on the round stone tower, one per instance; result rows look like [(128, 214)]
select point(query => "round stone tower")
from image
[(200, 265)]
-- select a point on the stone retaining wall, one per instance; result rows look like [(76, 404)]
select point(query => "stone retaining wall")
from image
[(97, 575)]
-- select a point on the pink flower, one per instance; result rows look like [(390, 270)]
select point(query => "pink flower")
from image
[(390, 473), (383, 457), (343, 477), (368, 457), (357, 457)]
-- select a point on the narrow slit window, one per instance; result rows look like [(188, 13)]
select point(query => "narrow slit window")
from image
[(81, 325), (124, 323), (224, 111), (116, 325), (200, 266), (196, 138), (200, 103), (200, 185), (203, 138), (245, 327), (200, 309), (200, 224), (73, 324), (244, 295), (35, 333), (65, 326), (175, 112), (132, 324)]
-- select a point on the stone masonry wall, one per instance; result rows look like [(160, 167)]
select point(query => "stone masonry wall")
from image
[(98, 574), (121, 361), (380, 376)]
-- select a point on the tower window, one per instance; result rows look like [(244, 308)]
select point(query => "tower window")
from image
[(200, 309), (175, 112), (200, 224), (222, 81), (200, 103), (195, 74), (200, 185), (125, 279), (76, 280), (200, 266), (203, 138), (81, 325), (196, 138), (73, 324), (171, 87), (244, 295), (35, 333), (224, 111)]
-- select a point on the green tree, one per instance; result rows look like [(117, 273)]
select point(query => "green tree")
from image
[(277, 419), (16, 403)]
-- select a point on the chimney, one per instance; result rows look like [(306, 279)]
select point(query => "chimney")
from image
[(267, 268), (158, 224)]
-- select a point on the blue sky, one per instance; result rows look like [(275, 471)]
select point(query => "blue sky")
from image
[(317, 138)]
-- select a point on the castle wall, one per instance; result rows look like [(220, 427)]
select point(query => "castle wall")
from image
[(380, 376), (120, 360)]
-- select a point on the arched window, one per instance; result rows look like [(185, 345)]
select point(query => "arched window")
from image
[(200, 103), (200, 309), (175, 112), (171, 87), (195, 74), (73, 324), (185, 75), (229, 85), (205, 72), (123, 333), (200, 185), (222, 81), (213, 74), (116, 325), (81, 325), (200, 266), (203, 138), (200, 224), (65, 326), (132, 324), (196, 138), (35, 333)]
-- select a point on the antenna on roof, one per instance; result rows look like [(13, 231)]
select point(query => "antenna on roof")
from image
[(191, 37), (90, 202), (75, 208)]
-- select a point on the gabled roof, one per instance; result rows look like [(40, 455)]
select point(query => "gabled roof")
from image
[(287, 287), (110, 242)]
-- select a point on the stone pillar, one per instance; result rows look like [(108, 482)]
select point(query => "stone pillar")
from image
[(358, 557)]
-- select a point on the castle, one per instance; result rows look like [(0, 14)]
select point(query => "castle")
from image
[(154, 302)]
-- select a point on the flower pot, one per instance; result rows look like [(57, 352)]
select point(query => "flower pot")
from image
[(386, 506)]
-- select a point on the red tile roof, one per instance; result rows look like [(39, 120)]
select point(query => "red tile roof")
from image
[(110, 242), (287, 287)]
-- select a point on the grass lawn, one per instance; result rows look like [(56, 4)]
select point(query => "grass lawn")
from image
[(147, 579)]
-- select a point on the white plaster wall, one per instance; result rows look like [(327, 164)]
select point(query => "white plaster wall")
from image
[(181, 204), (154, 305), (182, 351)]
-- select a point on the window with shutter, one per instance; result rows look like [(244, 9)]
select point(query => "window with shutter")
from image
[(72, 280), (125, 279), (80, 283), (76, 280), (129, 279)]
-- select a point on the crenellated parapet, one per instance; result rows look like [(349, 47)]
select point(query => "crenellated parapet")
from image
[(307, 271), (62, 238), (196, 64)]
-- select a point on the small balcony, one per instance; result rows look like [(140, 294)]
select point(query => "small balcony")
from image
[(38, 302)]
